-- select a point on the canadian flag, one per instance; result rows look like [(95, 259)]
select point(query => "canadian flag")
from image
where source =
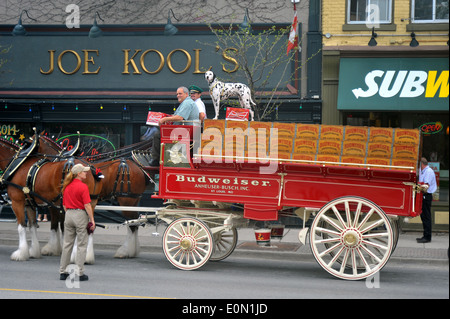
[(293, 36)]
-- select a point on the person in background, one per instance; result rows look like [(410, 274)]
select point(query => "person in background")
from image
[(196, 95), (39, 219), (428, 178)]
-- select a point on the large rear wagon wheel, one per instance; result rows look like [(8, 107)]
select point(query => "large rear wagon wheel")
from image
[(224, 244), (188, 243), (351, 238)]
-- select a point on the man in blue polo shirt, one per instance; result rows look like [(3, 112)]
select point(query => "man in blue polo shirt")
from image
[(186, 111), (427, 177)]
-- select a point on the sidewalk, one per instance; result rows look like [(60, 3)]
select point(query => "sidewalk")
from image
[(288, 248)]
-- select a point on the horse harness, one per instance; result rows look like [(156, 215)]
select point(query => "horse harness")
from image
[(67, 167), (29, 188), (62, 153), (20, 157), (123, 174)]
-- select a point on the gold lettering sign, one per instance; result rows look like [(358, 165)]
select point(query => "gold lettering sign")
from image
[(230, 59), (91, 60), (197, 62), (52, 63), (128, 60), (169, 61), (78, 62), (161, 63)]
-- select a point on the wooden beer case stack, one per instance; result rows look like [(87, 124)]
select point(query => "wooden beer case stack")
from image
[(328, 144)]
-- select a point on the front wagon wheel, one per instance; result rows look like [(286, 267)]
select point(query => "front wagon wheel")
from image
[(188, 243), (351, 238)]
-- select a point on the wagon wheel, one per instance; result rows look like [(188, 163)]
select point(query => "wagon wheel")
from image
[(224, 244), (188, 243), (395, 225), (351, 238)]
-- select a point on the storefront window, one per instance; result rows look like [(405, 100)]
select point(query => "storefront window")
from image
[(429, 11), (435, 138), (378, 119), (95, 138), (369, 11), (16, 132), (435, 132)]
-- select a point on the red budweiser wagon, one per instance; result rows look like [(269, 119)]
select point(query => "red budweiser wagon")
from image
[(353, 182)]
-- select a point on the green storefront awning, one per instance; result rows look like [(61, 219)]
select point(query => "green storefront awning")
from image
[(394, 84)]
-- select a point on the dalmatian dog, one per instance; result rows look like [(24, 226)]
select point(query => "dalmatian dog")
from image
[(219, 90)]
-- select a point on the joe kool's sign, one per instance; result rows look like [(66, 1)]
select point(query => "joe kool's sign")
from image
[(134, 61), (113, 63)]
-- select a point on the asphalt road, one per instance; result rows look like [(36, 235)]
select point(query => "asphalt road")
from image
[(236, 278)]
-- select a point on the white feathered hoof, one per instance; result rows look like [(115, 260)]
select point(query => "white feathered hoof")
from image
[(90, 256), (22, 253), (73, 255), (53, 247), (131, 247), (35, 249)]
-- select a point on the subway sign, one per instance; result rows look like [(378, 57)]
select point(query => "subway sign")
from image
[(394, 84)]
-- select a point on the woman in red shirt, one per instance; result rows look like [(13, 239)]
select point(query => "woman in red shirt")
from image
[(77, 205)]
